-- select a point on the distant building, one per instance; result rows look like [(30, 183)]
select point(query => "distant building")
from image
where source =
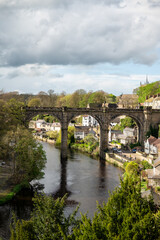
[(128, 136), (81, 132), (88, 120), (40, 123), (128, 101), (55, 126), (153, 102), (152, 146), (32, 124)]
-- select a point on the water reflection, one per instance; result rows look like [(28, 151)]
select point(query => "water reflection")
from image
[(63, 181), (102, 174), (84, 179)]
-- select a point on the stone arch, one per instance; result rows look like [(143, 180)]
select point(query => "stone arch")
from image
[(32, 113), (136, 119), (103, 128), (76, 114)]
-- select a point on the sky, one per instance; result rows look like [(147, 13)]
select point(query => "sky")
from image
[(65, 45)]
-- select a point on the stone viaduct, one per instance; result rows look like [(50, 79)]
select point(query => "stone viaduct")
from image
[(143, 117)]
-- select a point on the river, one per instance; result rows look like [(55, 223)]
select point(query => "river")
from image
[(83, 178)]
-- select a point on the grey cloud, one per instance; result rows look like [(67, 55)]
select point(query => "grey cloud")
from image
[(87, 32)]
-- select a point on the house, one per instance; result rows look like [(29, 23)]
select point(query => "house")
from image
[(152, 146), (81, 132), (32, 124), (127, 137), (128, 101), (55, 126), (154, 174), (88, 120), (153, 101), (40, 123)]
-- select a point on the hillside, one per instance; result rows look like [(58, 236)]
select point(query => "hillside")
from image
[(148, 90)]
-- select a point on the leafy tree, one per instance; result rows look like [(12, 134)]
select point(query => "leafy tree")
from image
[(34, 102), (132, 170), (26, 154), (52, 134), (125, 216), (48, 221)]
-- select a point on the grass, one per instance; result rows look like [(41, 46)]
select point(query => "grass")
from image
[(5, 196)]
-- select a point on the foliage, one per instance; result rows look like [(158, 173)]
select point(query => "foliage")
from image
[(48, 221), (34, 102), (125, 122), (133, 145), (89, 144), (131, 170), (149, 89), (146, 165), (15, 190), (52, 134), (153, 131), (125, 216), (27, 156), (70, 139)]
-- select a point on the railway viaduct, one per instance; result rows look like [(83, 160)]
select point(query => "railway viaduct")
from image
[(143, 117)]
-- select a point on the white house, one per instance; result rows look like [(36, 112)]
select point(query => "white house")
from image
[(152, 145), (56, 126), (40, 123), (88, 120)]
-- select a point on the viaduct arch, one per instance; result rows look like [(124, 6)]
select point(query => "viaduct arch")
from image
[(143, 117)]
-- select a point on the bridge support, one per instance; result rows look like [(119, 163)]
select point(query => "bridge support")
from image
[(64, 133), (103, 141)]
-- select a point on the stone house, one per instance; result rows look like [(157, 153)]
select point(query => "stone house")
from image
[(154, 174), (81, 132), (127, 137), (152, 146), (128, 101), (32, 124)]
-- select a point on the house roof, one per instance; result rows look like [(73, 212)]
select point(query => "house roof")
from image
[(82, 129), (41, 121), (151, 139), (156, 162), (56, 124), (129, 129), (156, 142)]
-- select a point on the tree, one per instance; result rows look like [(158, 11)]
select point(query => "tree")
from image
[(48, 221), (27, 156), (125, 216), (34, 102)]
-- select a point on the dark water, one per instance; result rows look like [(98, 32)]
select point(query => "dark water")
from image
[(84, 179)]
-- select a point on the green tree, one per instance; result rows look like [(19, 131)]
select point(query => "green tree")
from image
[(125, 216), (27, 156), (48, 221), (34, 102), (52, 134)]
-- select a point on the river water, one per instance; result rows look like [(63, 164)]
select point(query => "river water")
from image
[(83, 178)]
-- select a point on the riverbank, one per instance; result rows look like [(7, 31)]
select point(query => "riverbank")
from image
[(7, 189)]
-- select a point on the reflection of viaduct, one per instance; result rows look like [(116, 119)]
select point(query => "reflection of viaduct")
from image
[(143, 117)]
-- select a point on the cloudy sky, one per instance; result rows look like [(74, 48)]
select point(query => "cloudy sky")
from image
[(66, 45)]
